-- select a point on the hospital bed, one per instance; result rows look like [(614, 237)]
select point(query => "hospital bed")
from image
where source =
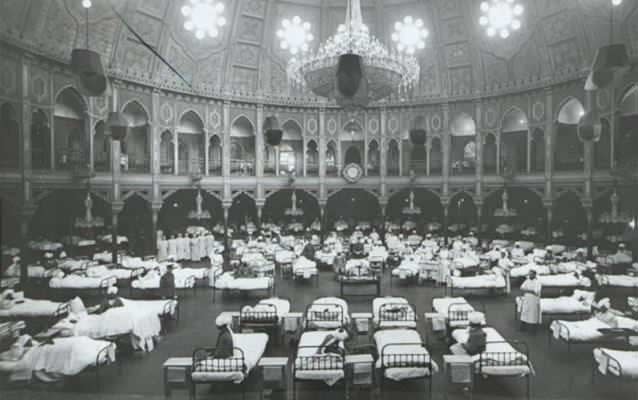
[(618, 282), (308, 365), (228, 283), (455, 311), (357, 272), (206, 369), (148, 285), (78, 284), (304, 269), (563, 282), (577, 306), (592, 331), (393, 312), (266, 315), (59, 359), (402, 356), (37, 314), (621, 364), (491, 282), (501, 358), (326, 313)]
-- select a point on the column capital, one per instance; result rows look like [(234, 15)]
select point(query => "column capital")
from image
[(117, 206)]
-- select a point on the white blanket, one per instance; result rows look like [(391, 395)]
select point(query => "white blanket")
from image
[(65, 357), (319, 367), (228, 282), (442, 306), (618, 280), (564, 281), (252, 345), (284, 256), (403, 317), (580, 302), (523, 271), (184, 278), (394, 342), (628, 361), (501, 346), (587, 330), (478, 282), (30, 308), (407, 269), (81, 282), (101, 271), (304, 268)]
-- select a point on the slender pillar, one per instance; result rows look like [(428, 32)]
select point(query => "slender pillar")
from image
[(550, 215), (590, 241), (116, 208), (446, 211)]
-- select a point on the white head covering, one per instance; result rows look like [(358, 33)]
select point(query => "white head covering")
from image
[(112, 290), (604, 303), (475, 318), (16, 259), (224, 319), (340, 334), (48, 255), (63, 254)]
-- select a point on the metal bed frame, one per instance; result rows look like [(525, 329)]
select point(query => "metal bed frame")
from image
[(460, 314), (605, 339), (154, 292), (506, 359), (358, 280), (406, 360), (232, 364), (65, 293), (314, 363), (326, 316), (579, 316), (410, 315), (611, 361), (261, 320)]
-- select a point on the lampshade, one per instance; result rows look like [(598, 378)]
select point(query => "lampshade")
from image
[(610, 63), (589, 128), (417, 136), (117, 125), (87, 64), (272, 131)]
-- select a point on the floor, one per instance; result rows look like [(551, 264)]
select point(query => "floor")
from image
[(559, 375)]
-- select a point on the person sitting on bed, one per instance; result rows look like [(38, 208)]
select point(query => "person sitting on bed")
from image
[(167, 283), (517, 251), (111, 301), (476, 338), (224, 347), (333, 342), (603, 314)]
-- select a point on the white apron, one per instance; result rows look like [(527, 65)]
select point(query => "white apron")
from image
[(531, 303)]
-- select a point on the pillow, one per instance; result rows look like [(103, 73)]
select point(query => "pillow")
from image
[(584, 296), (76, 306)]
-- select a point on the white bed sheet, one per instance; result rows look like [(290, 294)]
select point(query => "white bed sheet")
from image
[(627, 281), (227, 281), (81, 282), (492, 335), (253, 346), (628, 361), (30, 308), (308, 346), (587, 330), (478, 282), (441, 305), (564, 281)]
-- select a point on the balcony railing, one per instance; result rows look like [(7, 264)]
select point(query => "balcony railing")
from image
[(242, 167)]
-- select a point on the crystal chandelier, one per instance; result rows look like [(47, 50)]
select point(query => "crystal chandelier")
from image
[(89, 221), (411, 209), (501, 17), (293, 211), (384, 72), (204, 17), (199, 213)]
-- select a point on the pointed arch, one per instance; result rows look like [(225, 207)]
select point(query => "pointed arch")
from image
[(9, 137), (242, 146), (514, 138), (191, 139), (312, 158), (40, 140), (537, 151), (71, 142), (101, 148), (373, 167), (332, 165), (393, 158), (462, 212), (436, 156), (569, 219), (215, 155), (167, 153), (463, 145), (626, 137), (569, 152), (136, 147)]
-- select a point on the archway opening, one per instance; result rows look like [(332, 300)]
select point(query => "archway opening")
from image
[(242, 147), (191, 139), (569, 150), (135, 148), (514, 130), (463, 145)]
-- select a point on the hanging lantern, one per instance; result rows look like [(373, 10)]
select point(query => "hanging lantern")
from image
[(117, 125), (610, 64), (589, 128), (87, 64), (272, 131)]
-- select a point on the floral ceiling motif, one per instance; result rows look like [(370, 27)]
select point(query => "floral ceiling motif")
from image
[(458, 60)]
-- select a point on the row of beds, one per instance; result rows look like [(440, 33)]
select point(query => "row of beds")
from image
[(399, 352), (90, 342)]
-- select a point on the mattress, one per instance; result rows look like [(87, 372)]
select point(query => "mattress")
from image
[(523, 271), (587, 330), (184, 278), (31, 308), (317, 367), (389, 346), (628, 361), (404, 318), (407, 269), (461, 336), (618, 280), (442, 306), (279, 306), (253, 346), (578, 303)]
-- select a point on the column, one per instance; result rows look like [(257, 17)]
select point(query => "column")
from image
[(26, 214), (588, 150), (260, 209), (206, 145), (226, 149), (478, 113), (155, 208), (322, 143), (550, 215), (226, 207), (259, 143), (590, 218), (116, 208), (445, 147), (175, 151), (446, 211), (303, 155), (479, 220), (549, 142)]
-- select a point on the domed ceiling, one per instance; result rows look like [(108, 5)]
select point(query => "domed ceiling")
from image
[(557, 41)]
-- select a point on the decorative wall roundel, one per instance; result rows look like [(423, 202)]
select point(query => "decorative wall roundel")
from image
[(538, 110), (39, 88), (373, 125), (166, 112), (312, 125), (332, 126), (490, 116), (393, 124), (435, 122), (214, 118), (352, 173)]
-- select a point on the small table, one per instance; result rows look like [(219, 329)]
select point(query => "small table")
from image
[(459, 370), (273, 373), (292, 322), (177, 372), (359, 372), (362, 322)]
